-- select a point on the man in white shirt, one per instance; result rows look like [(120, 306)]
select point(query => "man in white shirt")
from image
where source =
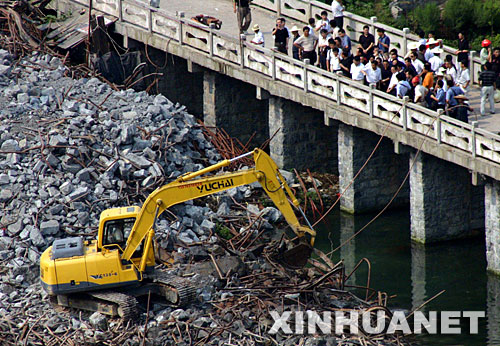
[(324, 23), (259, 37), (332, 57), (338, 13), (463, 77), (323, 41), (436, 61), (357, 69), (372, 72), (451, 70), (419, 66), (391, 89)]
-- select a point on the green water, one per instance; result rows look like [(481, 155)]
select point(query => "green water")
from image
[(416, 273)]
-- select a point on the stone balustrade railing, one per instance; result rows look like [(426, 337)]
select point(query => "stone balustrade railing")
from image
[(339, 90), (302, 10)]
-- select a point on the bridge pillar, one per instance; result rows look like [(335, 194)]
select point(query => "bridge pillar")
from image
[(493, 307), (231, 104), (379, 180), (348, 228), (444, 204), (176, 83), (299, 137), (492, 216), (418, 275)]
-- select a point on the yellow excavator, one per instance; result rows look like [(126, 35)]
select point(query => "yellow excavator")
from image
[(109, 273)]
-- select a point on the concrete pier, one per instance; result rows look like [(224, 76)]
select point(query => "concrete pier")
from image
[(300, 139), (378, 181), (175, 81), (418, 275), (348, 251), (492, 221), (493, 309), (444, 204), (231, 105)]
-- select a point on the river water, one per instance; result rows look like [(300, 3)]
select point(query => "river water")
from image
[(415, 273)]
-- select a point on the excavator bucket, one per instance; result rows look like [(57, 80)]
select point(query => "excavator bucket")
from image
[(296, 257)]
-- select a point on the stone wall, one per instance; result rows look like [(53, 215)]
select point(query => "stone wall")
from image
[(381, 177), (301, 140), (232, 105), (492, 221), (443, 202), (177, 83)]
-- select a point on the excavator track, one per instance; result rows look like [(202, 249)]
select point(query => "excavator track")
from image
[(176, 290), (127, 306)]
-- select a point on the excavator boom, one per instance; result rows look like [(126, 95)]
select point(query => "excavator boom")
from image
[(186, 188), (107, 274)]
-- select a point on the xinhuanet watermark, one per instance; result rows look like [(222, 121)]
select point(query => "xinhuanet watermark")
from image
[(375, 322)]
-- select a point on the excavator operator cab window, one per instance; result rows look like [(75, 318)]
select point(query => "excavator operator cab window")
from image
[(116, 232)]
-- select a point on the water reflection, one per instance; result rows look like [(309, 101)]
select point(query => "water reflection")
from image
[(348, 251), (415, 273), (493, 310), (418, 292)]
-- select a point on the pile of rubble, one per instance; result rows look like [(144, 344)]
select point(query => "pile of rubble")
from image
[(72, 148)]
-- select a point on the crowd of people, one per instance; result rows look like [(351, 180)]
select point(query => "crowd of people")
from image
[(426, 75)]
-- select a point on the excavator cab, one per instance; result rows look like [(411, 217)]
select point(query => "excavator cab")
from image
[(116, 232)]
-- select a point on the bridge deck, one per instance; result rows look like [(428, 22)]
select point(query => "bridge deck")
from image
[(223, 10)]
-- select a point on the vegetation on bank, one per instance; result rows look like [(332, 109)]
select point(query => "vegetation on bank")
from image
[(477, 19)]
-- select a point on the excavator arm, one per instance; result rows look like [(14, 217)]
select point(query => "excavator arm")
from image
[(186, 188)]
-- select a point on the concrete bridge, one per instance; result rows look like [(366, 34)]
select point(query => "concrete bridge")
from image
[(320, 120)]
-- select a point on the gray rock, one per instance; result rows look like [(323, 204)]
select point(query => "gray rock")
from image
[(127, 134), (52, 160), (83, 218), (4, 179), (130, 115), (23, 98), (77, 194), (137, 160), (15, 227), (179, 315), (10, 145), (66, 188), (5, 195), (185, 238), (98, 321), (253, 209), (56, 209), (70, 105), (223, 209), (289, 176), (84, 174), (50, 227), (207, 225), (57, 139), (271, 214), (71, 167), (113, 196), (160, 100), (37, 237)]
